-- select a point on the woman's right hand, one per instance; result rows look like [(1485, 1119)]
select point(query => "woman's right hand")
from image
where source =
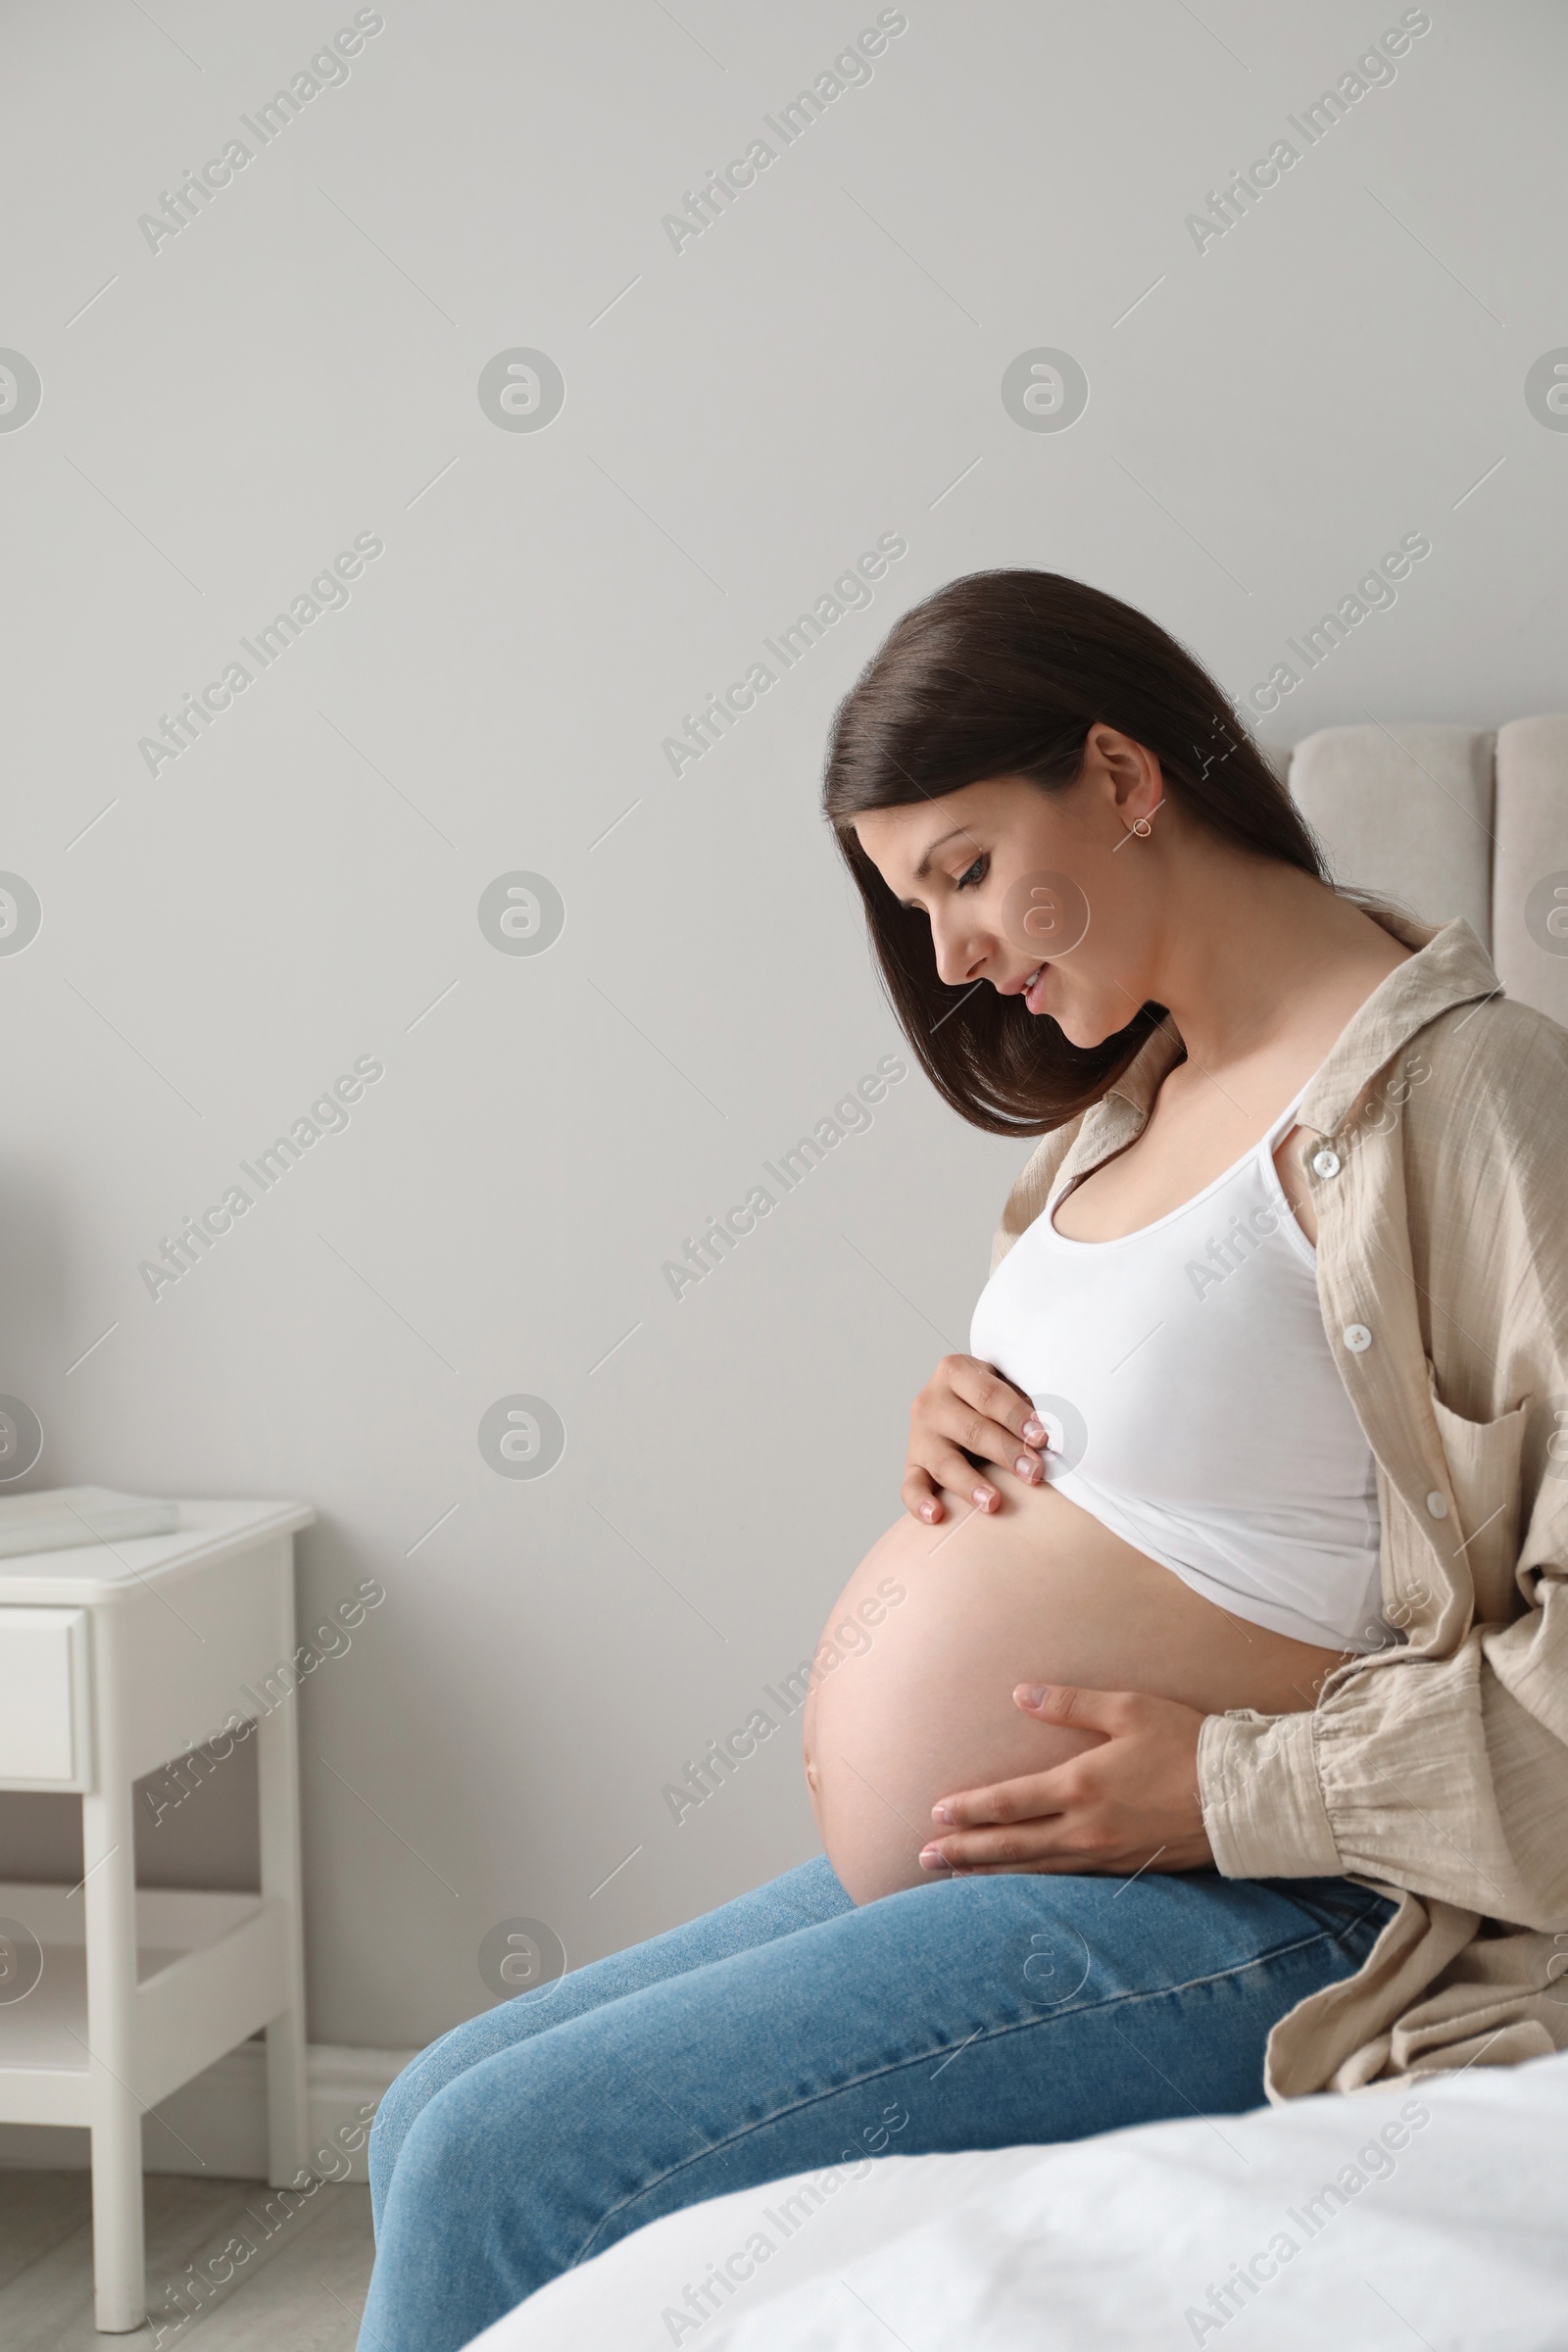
[(966, 1403)]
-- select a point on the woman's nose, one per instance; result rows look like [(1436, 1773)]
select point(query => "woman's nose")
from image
[(959, 957)]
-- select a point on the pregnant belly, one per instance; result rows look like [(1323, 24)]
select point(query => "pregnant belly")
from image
[(912, 1699)]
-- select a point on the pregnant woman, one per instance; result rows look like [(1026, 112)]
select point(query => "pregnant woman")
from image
[(1200, 1731)]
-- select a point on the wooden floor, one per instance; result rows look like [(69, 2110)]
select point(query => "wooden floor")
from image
[(303, 2286)]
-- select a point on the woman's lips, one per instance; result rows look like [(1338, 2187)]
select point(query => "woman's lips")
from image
[(1031, 993)]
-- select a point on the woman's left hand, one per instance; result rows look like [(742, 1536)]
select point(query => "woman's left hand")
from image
[(1128, 1803)]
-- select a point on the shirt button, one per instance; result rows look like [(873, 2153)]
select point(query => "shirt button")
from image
[(1356, 1338), (1436, 1505), (1325, 1163)]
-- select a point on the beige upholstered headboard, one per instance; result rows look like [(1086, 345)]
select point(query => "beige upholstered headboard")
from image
[(1453, 820)]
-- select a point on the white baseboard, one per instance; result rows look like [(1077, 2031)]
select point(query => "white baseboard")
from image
[(215, 2127)]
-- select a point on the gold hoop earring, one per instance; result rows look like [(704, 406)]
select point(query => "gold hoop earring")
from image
[(1140, 826)]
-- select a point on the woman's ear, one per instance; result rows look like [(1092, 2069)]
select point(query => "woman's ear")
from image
[(1129, 773)]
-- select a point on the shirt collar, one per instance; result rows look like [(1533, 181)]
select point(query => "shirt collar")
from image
[(1448, 967)]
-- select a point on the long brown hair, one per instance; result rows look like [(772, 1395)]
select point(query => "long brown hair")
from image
[(1002, 673)]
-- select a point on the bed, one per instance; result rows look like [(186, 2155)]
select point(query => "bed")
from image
[(1427, 2212)]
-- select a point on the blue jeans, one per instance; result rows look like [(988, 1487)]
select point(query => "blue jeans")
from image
[(789, 2030)]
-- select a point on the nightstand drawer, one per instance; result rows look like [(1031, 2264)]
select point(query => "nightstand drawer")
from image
[(45, 1716)]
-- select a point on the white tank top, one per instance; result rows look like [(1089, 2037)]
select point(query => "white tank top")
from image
[(1194, 1403)]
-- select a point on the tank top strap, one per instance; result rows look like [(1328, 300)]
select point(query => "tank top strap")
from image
[(1285, 1121)]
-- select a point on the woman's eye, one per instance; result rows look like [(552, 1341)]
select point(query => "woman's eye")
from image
[(974, 874)]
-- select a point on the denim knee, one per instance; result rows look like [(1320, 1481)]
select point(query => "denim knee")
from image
[(398, 2113), (458, 2152)]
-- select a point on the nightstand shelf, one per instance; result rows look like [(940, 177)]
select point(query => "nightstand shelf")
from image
[(114, 1660)]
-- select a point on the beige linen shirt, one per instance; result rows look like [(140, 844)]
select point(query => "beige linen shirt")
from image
[(1434, 1770)]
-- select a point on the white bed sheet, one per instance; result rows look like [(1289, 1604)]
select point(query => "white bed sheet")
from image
[(1457, 2239)]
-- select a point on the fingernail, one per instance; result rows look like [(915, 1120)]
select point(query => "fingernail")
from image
[(1031, 1693), (1035, 1431), (931, 1857), (984, 1498), (941, 1813), (928, 1510), (1025, 1466)]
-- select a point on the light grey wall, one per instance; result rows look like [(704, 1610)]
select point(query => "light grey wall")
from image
[(743, 418)]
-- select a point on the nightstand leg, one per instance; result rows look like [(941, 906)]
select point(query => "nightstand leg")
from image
[(109, 1892), (277, 1775)]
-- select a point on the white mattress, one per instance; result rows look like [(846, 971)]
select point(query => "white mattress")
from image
[(1459, 2238)]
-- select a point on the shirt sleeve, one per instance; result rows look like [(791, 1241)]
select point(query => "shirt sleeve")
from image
[(1425, 1773)]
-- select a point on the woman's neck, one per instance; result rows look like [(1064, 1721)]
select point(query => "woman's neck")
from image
[(1253, 946)]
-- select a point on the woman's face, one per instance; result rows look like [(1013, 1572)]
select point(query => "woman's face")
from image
[(1048, 895)]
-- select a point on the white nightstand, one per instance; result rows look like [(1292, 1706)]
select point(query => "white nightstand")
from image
[(114, 1660)]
